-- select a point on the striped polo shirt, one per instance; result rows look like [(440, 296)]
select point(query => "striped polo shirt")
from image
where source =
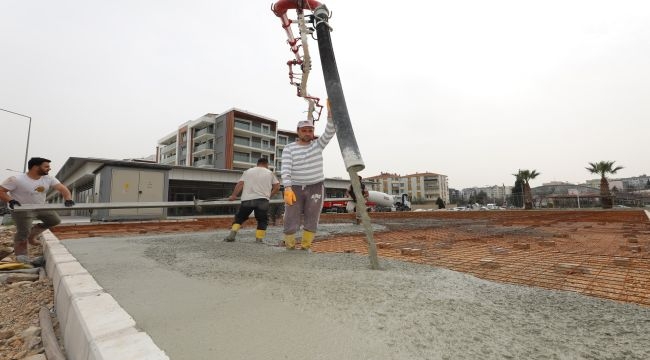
[(303, 164)]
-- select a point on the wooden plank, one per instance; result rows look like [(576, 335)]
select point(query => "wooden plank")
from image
[(50, 343)]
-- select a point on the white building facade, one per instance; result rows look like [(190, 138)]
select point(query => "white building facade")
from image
[(426, 187)]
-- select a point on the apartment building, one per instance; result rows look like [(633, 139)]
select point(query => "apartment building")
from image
[(419, 186), (630, 184), (196, 135), (494, 193), (233, 140)]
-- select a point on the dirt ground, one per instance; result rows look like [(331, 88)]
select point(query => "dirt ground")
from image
[(20, 303), (597, 253)]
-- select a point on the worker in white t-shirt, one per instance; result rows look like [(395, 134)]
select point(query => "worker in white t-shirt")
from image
[(32, 188), (256, 185)]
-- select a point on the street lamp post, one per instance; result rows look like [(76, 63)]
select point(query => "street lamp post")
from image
[(29, 130)]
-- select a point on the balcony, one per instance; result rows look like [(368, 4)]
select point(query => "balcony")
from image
[(245, 145), (243, 164), (168, 148), (168, 160), (242, 158), (203, 135), (204, 163), (203, 150), (247, 128)]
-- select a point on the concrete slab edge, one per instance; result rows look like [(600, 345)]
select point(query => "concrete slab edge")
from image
[(647, 213), (94, 326)]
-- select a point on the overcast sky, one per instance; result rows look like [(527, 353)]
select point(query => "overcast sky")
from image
[(474, 90)]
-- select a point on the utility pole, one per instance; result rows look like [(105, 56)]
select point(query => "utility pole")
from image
[(29, 130)]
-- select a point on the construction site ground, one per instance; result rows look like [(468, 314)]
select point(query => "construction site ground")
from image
[(599, 253)]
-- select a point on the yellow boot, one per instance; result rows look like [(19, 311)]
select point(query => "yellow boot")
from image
[(233, 233), (290, 241), (259, 235), (307, 238)]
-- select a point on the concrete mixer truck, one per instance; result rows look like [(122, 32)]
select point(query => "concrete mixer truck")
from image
[(377, 201), (380, 201)]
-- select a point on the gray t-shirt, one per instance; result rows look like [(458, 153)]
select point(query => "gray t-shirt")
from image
[(27, 190), (258, 183)]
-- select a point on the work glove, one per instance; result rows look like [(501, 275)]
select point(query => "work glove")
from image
[(13, 203), (289, 196), (68, 203)]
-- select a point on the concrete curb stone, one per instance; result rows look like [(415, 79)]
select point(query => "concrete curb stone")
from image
[(93, 324)]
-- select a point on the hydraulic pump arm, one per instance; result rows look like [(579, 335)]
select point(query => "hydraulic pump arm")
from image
[(300, 49)]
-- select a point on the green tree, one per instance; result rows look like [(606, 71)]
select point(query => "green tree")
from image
[(472, 199), (440, 203), (603, 168), (525, 176)]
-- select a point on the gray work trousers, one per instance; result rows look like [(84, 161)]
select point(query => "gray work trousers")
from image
[(309, 202), (23, 221)]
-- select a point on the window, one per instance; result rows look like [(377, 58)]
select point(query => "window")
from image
[(240, 140), (242, 124), (266, 129), (242, 157)]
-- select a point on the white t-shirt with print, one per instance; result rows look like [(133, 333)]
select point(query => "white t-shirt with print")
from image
[(26, 190)]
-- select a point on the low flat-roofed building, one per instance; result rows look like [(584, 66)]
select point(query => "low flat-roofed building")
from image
[(105, 181)]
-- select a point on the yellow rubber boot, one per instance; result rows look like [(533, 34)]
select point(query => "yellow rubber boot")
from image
[(307, 238), (259, 235), (233, 233), (290, 241)]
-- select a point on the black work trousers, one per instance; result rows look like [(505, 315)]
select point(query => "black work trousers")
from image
[(261, 208)]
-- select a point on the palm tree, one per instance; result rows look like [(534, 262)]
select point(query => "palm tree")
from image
[(603, 168), (526, 176), (518, 191)]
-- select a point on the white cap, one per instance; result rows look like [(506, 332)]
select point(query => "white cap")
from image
[(305, 123)]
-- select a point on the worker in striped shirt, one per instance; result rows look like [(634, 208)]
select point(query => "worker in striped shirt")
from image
[(303, 180)]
